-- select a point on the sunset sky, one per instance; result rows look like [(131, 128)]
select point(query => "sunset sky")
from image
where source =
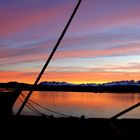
[(102, 43)]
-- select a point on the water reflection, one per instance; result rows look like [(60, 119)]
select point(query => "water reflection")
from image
[(84, 103)]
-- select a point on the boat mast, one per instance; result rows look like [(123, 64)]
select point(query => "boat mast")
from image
[(49, 58)]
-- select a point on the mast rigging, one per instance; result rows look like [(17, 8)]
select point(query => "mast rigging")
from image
[(49, 58)]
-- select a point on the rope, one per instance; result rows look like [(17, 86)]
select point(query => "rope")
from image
[(49, 109), (33, 108)]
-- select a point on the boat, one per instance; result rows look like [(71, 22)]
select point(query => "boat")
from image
[(8, 98)]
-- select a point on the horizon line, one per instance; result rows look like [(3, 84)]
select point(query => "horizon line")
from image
[(72, 82)]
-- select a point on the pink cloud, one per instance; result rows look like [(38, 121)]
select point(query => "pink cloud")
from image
[(127, 17), (113, 51), (13, 22), (37, 53), (108, 68)]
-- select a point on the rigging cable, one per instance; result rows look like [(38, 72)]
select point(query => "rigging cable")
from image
[(31, 107), (62, 114)]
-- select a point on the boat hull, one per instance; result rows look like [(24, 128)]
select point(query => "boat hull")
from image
[(7, 100)]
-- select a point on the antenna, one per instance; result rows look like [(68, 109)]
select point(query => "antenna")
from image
[(49, 58)]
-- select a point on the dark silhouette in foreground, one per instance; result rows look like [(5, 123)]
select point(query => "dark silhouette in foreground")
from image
[(7, 100), (66, 127)]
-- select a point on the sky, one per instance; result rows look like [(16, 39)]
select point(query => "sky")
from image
[(102, 44)]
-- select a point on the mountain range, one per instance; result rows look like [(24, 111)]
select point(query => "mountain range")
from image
[(117, 86), (116, 83)]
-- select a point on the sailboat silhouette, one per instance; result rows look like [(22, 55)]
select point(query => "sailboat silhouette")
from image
[(7, 100)]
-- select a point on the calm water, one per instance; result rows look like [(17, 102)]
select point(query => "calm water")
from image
[(83, 103)]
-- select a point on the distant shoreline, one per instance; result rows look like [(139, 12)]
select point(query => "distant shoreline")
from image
[(115, 87)]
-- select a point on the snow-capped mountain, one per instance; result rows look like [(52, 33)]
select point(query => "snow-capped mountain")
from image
[(45, 83), (118, 86), (117, 83), (123, 83)]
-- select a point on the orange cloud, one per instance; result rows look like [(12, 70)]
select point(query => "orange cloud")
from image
[(73, 77), (6, 76)]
